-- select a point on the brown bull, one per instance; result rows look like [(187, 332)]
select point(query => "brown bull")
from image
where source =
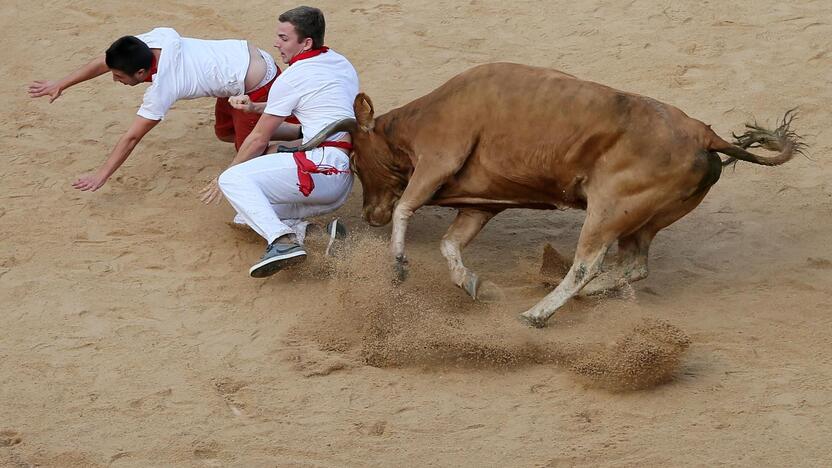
[(504, 136)]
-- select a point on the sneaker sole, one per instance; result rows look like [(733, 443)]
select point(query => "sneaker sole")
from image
[(272, 265), (333, 236)]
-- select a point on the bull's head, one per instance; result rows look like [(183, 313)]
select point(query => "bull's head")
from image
[(383, 176)]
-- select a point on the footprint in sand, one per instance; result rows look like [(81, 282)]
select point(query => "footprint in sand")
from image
[(9, 438), (227, 389), (375, 429), (206, 450), (819, 263), (380, 8), (690, 76), (156, 399)]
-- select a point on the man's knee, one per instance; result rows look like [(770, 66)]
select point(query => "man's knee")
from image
[(229, 179)]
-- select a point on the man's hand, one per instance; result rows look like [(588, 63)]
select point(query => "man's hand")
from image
[(90, 182), (211, 192), (45, 88), (242, 102)]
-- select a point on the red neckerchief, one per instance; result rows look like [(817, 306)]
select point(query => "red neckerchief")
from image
[(308, 54), (153, 69), (306, 167)]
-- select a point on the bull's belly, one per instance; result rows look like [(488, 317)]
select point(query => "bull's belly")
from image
[(500, 192), (503, 204)]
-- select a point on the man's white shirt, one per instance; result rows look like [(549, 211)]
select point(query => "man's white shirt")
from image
[(192, 68)]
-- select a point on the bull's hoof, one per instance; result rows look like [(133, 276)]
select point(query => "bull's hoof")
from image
[(596, 292), (400, 270), (532, 321), (471, 285)]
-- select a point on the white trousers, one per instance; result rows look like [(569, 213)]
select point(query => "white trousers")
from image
[(265, 192)]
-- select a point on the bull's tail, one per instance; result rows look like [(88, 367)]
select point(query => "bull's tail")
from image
[(783, 140)]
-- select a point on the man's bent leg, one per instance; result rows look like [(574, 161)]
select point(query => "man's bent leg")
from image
[(265, 189), (244, 123), (223, 122), (247, 187)]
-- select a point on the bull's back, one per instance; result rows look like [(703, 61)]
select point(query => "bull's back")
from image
[(499, 98)]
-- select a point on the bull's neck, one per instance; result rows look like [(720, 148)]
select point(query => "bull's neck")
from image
[(399, 157)]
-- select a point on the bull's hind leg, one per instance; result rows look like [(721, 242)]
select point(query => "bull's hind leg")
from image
[(606, 221), (635, 247), (587, 264), (630, 267), (468, 223)]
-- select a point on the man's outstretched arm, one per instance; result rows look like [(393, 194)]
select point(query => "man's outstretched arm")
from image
[(94, 180), (53, 89)]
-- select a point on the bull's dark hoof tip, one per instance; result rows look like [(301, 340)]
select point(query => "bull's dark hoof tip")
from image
[(400, 270), (532, 322), (399, 273)]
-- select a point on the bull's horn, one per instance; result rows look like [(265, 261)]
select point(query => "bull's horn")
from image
[(343, 125)]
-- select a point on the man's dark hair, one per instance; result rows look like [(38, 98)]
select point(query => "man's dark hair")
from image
[(308, 22), (129, 55)]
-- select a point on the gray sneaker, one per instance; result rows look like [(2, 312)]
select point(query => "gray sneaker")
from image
[(336, 231), (277, 257)]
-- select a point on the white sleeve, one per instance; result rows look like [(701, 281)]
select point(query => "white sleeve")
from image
[(156, 103), (283, 99)]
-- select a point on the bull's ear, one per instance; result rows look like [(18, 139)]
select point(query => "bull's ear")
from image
[(363, 107)]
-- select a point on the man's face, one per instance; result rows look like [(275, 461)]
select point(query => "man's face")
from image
[(287, 42), (129, 80)]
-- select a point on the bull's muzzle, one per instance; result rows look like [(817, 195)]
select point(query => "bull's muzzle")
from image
[(377, 217)]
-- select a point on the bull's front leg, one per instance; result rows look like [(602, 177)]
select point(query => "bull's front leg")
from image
[(424, 182), (401, 216)]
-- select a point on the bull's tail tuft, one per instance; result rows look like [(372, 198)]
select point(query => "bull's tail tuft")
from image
[(784, 140)]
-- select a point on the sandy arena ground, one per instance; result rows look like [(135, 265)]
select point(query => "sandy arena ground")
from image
[(132, 336)]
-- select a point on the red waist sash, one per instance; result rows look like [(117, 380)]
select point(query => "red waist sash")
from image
[(306, 167)]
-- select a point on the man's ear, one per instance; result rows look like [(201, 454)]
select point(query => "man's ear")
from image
[(363, 108), (308, 44)]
